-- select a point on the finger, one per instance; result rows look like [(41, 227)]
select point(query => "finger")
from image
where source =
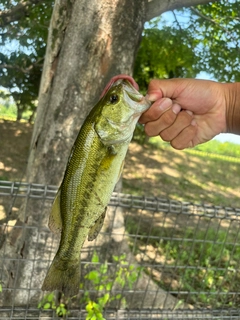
[(153, 128), (156, 110), (185, 138), (170, 88), (154, 92), (183, 120)]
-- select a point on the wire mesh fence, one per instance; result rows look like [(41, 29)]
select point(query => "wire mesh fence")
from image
[(154, 259)]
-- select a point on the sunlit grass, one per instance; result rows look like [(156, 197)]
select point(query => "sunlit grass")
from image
[(10, 113)]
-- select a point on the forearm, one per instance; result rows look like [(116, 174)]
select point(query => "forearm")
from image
[(232, 98)]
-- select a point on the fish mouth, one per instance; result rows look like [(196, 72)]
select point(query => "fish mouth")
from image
[(131, 91), (118, 79), (137, 101), (132, 96)]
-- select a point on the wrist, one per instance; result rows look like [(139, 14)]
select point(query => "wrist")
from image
[(232, 103)]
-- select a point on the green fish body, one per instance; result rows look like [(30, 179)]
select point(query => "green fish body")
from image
[(93, 169)]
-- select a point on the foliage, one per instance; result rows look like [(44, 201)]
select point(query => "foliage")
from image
[(209, 265), (165, 53), (8, 112), (101, 282), (203, 38), (24, 38), (8, 109), (48, 302), (124, 274), (217, 28), (202, 262)]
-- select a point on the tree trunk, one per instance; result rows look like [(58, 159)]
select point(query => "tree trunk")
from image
[(19, 112), (89, 42)]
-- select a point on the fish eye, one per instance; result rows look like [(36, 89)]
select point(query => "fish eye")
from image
[(113, 98)]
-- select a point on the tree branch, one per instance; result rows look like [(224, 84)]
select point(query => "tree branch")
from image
[(23, 70), (17, 12), (198, 13), (156, 7)]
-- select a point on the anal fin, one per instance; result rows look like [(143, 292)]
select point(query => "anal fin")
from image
[(95, 229)]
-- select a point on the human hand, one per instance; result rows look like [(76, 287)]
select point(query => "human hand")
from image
[(186, 112)]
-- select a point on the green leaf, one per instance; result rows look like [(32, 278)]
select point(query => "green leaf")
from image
[(95, 257), (47, 305), (93, 276), (103, 300), (50, 297)]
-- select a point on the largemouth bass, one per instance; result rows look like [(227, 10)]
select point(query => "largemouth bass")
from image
[(94, 167)]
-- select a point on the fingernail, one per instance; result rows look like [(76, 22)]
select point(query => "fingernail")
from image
[(193, 123), (189, 112), (176, 108), (165, 104), (153, 96)]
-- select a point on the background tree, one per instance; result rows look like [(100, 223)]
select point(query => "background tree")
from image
[(24, 30), (165, 53)]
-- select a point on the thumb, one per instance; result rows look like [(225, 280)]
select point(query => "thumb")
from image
[(164, 88)]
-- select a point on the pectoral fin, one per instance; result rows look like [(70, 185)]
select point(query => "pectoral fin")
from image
[(55, 219), (94, 231)]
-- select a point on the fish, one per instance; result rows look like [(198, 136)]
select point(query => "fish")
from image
[(93, 169)]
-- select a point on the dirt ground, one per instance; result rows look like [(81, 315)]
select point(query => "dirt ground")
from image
[(15, 140)]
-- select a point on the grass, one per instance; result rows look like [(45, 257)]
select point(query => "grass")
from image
[(211, 148), (10, 113), (203, 262)]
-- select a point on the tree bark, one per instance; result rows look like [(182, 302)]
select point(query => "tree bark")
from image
[(89, 42)]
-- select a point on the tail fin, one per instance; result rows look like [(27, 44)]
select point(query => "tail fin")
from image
[(63, 276)]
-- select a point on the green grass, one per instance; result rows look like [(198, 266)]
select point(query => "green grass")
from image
[(222, 148), (202, 261), (10, 113), (215, 147)]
